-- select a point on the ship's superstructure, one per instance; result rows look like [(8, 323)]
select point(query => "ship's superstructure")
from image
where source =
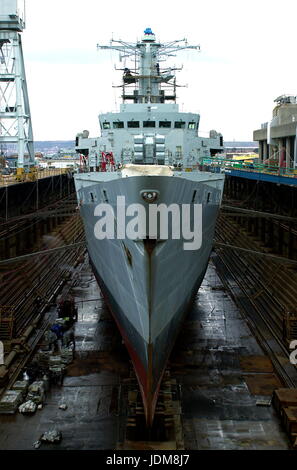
[(149, 129), (145, 163)]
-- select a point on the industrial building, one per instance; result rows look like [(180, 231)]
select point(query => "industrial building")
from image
[(277, 138)]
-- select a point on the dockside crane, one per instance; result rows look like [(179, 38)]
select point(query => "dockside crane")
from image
[(15, 116)]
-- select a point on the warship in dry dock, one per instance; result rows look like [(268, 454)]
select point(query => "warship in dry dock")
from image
[(148, 155)]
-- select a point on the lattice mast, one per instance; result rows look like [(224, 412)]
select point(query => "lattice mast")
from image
[(150, 80), (15, 116)]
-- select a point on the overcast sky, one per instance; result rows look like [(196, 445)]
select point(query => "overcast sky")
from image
[(247, 59)]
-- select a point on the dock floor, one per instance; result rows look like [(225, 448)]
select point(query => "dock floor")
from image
[(223, 373), (219, 366)]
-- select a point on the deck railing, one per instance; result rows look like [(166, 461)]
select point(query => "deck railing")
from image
[(7, 180), (248, 166)]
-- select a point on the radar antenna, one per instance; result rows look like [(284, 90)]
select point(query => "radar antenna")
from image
[(149, 82)]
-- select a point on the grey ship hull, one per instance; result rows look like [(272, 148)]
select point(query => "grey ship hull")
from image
[(149, 285)]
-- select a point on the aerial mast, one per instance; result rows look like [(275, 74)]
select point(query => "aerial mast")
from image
[(15, 116), (150, 78)]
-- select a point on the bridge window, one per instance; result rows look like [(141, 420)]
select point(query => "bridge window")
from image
[(133, 124), (149, 124), (192, 125), (118, 125), (165, 124), (179, 125), (106, 125)]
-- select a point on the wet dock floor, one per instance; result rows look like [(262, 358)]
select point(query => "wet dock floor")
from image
[(220, 368), (223, 374), (89, 390)]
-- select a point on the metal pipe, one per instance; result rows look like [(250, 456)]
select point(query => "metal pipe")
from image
[(15, 351), (258, 213), (279, 259), (43, 252)]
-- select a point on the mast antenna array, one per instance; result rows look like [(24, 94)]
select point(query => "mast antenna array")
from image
[(151, 81)]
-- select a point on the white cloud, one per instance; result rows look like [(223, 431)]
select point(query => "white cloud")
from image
[(247, 59)]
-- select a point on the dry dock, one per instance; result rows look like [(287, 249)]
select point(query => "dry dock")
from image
[(229, 358), (219, 374)]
